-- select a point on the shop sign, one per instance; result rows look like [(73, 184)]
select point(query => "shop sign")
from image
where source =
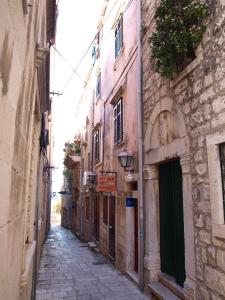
[(106, 183)]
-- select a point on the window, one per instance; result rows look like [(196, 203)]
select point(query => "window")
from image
[(119, 36), (222, 166), (216, 166), (98, 38), (105, 210), (97, 146), (96, 46), (98, 85), (118, 122)]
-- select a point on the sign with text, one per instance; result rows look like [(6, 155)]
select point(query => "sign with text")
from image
[(130, 202), (106, 183)]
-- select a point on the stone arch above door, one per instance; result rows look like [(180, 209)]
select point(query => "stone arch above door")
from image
[(165, 125), (166, 138)]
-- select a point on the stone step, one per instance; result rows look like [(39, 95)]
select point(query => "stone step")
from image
[(159, 291), (92, 245), (170, 283)]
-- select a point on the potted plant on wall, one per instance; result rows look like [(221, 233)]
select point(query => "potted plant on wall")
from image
[(178, 32)]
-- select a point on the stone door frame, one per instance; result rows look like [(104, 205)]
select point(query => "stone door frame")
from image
[(178, 148)]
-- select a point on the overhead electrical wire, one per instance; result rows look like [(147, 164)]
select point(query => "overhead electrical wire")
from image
[(66, 61), (87, 50)]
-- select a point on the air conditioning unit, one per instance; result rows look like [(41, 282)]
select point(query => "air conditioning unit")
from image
[(89, 178)]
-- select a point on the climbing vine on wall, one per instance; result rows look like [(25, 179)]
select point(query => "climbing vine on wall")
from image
[(179, 30)]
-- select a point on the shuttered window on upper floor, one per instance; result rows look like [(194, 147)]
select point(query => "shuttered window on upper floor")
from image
[(119, 36), (97, 146), (118, 121), (98, 85)]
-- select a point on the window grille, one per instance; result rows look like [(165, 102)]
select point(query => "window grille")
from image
[(118, 122)]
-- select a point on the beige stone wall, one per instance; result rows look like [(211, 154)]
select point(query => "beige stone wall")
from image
[(20, 33), (198, 93)]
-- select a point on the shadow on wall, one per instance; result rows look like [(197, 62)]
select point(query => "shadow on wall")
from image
[(5, 64)]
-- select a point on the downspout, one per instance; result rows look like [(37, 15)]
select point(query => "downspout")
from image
[(91, 206), (140, 150), (80, 195)]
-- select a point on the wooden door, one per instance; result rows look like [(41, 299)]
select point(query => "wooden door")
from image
[(112, 200), (96, 229), (171, 221)]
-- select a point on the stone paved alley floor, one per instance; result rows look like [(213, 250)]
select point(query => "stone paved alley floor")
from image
[(69, 270)]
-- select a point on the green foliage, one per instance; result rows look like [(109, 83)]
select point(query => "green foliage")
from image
[(72, 149), (179, 29)]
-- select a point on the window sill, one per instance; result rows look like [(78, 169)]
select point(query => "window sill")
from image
[(118, 146), (194, 64), (218, 230)]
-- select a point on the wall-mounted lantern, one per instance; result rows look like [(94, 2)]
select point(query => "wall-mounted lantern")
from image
[(125, 159)]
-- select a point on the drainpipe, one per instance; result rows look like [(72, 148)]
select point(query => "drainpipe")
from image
[(140, 148), (80, 196), (91, 191)]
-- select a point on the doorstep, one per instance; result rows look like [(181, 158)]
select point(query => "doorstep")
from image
[(133, 276), (92, 246), (161, 292), (170, 283)]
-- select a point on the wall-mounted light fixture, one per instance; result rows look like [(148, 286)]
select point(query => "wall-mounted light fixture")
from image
[(62, 192), (125, 159)]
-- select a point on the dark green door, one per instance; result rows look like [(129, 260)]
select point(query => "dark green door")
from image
[(171, 221)]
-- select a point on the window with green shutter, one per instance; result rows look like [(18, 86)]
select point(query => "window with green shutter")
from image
[(118, 121)]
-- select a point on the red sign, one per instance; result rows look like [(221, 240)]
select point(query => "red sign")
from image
[(106, 183)]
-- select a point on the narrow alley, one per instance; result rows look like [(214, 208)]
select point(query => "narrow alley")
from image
[(112, 125), (69, 270)]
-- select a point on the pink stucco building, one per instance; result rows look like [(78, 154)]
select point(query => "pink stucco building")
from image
[(109, 204)]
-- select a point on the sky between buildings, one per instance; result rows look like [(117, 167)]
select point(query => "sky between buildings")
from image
[(76, 28)]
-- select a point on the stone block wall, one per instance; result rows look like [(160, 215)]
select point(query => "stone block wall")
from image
[(199, 92)]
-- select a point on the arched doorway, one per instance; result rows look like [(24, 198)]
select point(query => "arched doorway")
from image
[(168, 198)]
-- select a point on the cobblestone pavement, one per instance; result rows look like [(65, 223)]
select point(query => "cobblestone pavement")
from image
[(69, 270)]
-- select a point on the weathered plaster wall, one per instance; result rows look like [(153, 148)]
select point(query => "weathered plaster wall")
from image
[(199, 93), (19, 35)]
